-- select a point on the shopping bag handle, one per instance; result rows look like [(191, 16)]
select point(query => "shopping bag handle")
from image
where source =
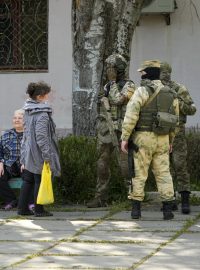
[(46, 163)]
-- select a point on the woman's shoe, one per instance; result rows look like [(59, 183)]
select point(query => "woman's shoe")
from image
[(31, 208), (9, 206)]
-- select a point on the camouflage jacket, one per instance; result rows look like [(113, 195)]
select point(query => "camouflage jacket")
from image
[(186, 104), (118, 98), (137, 101)]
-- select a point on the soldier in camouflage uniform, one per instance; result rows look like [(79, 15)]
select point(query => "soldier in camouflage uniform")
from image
[(179, 153), (117, 92), (148, 116)]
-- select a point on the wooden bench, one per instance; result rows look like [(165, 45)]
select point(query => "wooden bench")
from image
[(15, 182)]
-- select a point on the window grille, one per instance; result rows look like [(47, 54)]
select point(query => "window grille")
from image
[(23, 35)]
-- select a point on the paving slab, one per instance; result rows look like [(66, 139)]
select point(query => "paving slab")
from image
[(168, 266), (77, 215), (85, 214), (37, 235), (80, 262), (105, 249), (139, 225), (20, 238), (188, 239), (152, 216), (183, 253), (7, 214), (153, 237), (6, 260), (195, 228), (14, 247), (50, 225)]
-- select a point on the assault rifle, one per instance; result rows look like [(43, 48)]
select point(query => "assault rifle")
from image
[(106, 108), (131, 165), (131, 145), (131, 148)]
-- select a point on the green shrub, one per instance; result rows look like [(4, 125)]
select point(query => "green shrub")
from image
[(117, 191), (78, 156), (193, 159)]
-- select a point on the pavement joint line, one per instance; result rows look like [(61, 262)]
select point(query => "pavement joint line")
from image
[(99, 221), (81, 209), (188, 223), (138, 242), (28, 241), (112, 211), (37, 218), (81, 255), (142, 230), (57, 219)]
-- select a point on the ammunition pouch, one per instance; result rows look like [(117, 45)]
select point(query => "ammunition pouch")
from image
[(164, 123)]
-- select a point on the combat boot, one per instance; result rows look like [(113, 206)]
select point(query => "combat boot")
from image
[(174, 206), (136, 209), (185, 203), (174, 203), (97, 202), (167, 210)]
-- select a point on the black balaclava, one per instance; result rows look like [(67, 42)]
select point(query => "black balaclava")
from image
[(120, 67), (152, 73)]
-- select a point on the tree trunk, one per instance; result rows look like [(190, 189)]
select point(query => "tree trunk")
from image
[(99, 28)]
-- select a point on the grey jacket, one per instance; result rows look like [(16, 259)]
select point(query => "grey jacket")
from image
[(39, 141)]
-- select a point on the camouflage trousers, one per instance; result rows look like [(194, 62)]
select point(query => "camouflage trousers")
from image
[(178, 162), (103, 169), (154, 150)]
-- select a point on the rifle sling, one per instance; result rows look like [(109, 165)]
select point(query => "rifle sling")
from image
[(154, 95)]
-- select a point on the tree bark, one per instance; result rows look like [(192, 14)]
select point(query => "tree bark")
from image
[(127, 24), (99, 28)]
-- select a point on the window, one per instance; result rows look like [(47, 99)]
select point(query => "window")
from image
[(23, 35)]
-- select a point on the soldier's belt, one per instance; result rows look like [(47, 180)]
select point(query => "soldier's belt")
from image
[(150, 129)]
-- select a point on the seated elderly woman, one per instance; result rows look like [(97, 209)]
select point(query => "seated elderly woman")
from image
[(10, 144)]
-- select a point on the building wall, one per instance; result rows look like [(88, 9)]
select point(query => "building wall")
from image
[(59, 76), (177, 43)]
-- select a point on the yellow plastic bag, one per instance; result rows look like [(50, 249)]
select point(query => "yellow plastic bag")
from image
[(45, 194)]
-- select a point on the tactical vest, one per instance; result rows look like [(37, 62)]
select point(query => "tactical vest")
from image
[(118, 111), (159, 115)]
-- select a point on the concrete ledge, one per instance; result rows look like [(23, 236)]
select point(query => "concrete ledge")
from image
[(154, 195)]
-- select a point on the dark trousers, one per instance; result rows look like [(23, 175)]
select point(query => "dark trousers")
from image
[(31, 183), (6, 193)]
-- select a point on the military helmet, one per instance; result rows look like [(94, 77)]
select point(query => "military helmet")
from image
[(149, 64), (117, 61), (164, 66)]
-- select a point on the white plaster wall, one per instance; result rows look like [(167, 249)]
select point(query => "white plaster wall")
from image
[(178, 43), (13, 85)]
